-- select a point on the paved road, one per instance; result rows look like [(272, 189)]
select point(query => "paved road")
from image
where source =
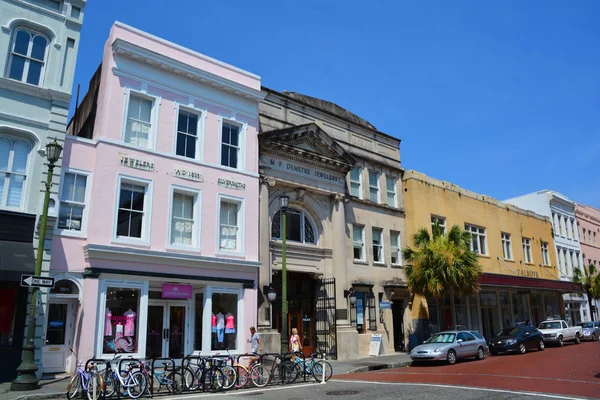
[(573, 370)]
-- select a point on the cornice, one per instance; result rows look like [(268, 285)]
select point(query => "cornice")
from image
[(36, 91), (162, 63), (306, 157)]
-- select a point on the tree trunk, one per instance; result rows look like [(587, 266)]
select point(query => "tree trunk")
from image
[(591, 305)]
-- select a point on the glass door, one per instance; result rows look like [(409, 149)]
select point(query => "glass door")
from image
[(176, 331), (59, 335), (156, 331)]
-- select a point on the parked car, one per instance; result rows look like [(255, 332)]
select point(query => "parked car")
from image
[(591, 330), (557, 331), (517, 338), (450, 346)]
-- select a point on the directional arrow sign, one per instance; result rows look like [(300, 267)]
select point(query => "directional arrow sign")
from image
[(37, 281)]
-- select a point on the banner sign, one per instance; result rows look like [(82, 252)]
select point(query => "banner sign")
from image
[(375, 347), (170, 291)]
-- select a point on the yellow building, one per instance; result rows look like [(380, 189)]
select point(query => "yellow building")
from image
[(520, 281)]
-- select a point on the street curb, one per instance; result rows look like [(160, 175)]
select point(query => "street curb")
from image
[(40, 396), (378, 367)]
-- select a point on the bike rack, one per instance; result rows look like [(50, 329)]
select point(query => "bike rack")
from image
[(276, 356), (185, 361), (154, 360), (118, 382), (94, 361), (302, 356)]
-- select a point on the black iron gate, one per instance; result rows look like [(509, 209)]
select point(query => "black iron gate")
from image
[(325, 324)]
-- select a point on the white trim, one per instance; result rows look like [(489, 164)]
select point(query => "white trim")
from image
[(510, 249), (242, 145), (399, 244), (28, 180), (483, 252), (362, 234), (241, 236), (369, 171), (156, 102), (202, 114), (360, 186), (197, 217), (387, 192), (382, 245), (32, 33), (239, 291), (147, 218), (82, 233)]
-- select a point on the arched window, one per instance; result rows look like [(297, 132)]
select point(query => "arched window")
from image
[(27, 56), (14, 154), (299, 227)]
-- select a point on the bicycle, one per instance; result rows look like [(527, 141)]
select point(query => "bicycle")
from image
[(259, 374), (90, 382), (172, 381), (317, 368), (132, 383)]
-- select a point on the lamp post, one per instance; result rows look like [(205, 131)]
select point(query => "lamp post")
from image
[(26, 379), (283, 204)]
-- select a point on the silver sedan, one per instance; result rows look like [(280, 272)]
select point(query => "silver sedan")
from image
[(450, 346), (591, 330)]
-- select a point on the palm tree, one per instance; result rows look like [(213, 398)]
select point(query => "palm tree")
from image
[(590, 281), (440, 262)]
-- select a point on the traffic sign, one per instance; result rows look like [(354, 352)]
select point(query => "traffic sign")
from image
[(37, 281)]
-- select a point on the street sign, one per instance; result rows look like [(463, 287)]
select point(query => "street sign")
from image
[(37, 281), (385, 305)]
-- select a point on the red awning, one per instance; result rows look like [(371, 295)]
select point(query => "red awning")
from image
[(530, 283)]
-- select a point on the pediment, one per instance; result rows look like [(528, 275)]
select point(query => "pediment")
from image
[(309, 142)]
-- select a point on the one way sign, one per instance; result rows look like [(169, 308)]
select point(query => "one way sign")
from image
[(37, 281)]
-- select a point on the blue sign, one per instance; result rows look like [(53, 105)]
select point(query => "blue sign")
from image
[(359, 312), (56, 324), (385, 305)]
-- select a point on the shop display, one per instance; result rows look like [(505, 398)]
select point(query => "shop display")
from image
[(120, 333), (224, 329)]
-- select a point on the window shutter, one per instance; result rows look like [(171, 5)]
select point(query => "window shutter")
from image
[(372, 313)]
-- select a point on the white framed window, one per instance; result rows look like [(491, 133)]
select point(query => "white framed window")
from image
[(184, 218), (563, 228), (355, 182), (439, 221), (358, 239), (506, 246), (569, 228), (527, 250), (396, 256), (390, 183), (545, 253), (299, 226), (27, 56), (231, 224), (595, 239), (134, 209), (377, 239), (478, 239), (140, 119), (583, 235), (374, 186), (575, 257), (14, 160), (188, 142), (232, 144), (74, 195)]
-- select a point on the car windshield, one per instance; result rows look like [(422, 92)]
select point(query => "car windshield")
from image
[(586, 325), (442, 338), (509, 332), (550, 325)]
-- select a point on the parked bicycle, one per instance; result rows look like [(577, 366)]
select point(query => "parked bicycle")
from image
[(166, 376), (89, 381), (319, 369), (131, 382)]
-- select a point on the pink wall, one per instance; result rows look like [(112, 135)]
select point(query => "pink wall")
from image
[(589, 219)]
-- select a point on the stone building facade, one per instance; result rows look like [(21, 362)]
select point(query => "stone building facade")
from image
[(588, 224), (345, 227)]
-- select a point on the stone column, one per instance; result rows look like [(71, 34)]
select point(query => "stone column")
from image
[(347, 336)]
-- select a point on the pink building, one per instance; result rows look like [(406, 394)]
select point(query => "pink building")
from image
[(588, 221), (156, 247)]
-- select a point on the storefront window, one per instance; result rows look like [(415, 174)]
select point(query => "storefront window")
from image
[(504, 300), (447, 312), (224, 321), (8, 298), (434, 324), (552, 305), (537, 310), (474, 314), (199, 301), (121, 330), (460, 312), (520, 309), (489, 314)]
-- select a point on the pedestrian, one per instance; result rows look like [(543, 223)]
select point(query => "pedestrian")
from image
[(528, 323), (295, 346), (255, 345)]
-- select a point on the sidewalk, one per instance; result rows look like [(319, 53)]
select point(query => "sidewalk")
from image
[(49, 389)]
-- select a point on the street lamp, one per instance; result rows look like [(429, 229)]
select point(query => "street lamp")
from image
[(271, 293), (283, 205), (26, 379)]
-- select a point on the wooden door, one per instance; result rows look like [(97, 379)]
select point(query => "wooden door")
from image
[(305, 325)]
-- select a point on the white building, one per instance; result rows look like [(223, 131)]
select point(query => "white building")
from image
[(561, 210)]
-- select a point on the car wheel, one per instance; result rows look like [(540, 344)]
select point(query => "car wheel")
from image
[(480, 354), (541, 346), (451, 357), (593, 337), (577, 339), (522, 348), (560, 341)]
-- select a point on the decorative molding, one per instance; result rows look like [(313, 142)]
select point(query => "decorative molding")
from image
[(37, 91)]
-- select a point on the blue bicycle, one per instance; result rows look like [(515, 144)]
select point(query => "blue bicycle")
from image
[(319, 369)]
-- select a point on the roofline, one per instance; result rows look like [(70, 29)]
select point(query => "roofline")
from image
[(185, 50), (330, 113)]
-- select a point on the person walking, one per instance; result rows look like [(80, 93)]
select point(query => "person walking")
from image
[(295, 346), (255, 345)]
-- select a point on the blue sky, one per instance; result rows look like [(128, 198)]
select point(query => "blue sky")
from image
[(501, 98)]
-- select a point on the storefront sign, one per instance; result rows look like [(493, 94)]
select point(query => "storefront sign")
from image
[(170, 291), (229, 184), (375, 347), (298, 169), (385, 305), (136, 163), (187, 174), (527, 273)]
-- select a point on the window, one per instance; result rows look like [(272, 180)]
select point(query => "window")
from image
[(569, 227), (395, 247), (527, 250), (14, 154), (75, 12), (575, 257), (563, 228), (299, 227), (355, 182), (545, 253), (72, 201), (183, 219), (439, 221), (377, 245), (131, 213), (225, 318), (478, 243), (229, 226), (27, 57), (187, 134), (54, 5), (374, 186), (595, 239), (583, 235), (139, 120), (390, 182), (230, 145), (359, 242), (121, 322), (506, 246)]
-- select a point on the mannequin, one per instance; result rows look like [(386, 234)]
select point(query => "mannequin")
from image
[(129, 322), (220, 328), (213, 330), (108, 331), (230, 330)]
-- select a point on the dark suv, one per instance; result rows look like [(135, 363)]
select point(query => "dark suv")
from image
[(517, 338)]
